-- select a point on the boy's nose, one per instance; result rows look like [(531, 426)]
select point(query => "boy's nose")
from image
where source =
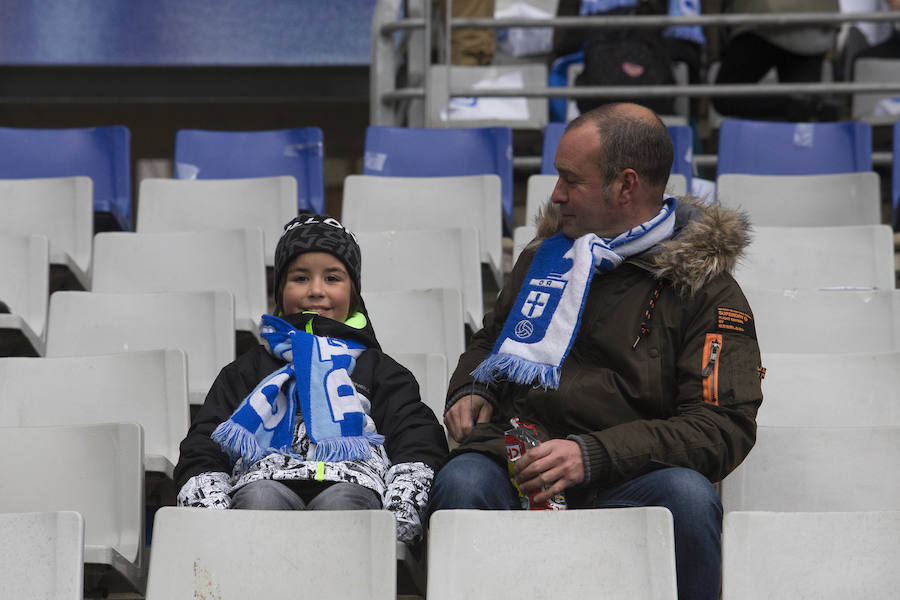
[(315, 287)]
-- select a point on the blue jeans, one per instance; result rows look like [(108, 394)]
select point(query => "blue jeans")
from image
[(473, 480)]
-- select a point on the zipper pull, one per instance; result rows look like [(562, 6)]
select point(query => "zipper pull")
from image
[(713, 357)]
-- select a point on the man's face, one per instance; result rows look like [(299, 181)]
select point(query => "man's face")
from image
[(585, 204)]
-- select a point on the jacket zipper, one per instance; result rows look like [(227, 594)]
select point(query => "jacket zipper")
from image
[(710, 368)]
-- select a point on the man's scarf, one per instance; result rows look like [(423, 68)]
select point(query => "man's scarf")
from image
[(317, 379), (544, 320)]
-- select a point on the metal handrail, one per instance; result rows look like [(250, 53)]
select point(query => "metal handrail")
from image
[(693, 90), (631, 21), (639, 21), (599, 21)]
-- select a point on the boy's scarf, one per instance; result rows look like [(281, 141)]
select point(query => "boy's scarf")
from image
[(317, 379), (544, 320)]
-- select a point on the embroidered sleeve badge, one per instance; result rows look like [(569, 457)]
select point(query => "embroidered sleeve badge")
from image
[(730, 320)]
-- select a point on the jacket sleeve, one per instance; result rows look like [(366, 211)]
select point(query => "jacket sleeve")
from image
[(414, 440), (202, 472), (718, 373)]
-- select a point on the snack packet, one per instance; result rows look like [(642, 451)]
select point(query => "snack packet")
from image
[(518, 440)]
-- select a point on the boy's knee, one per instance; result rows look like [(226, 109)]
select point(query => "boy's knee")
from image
[(346, 496), (264, 494)]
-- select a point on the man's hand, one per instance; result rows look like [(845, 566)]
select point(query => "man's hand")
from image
[(555, 463), (463, 415)]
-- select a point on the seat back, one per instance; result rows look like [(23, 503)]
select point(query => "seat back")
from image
[(101, 153), (628, 553), (24, 286), (817, 469), (297, 152), (825, 321), (145, 387), (683, 146), (831, 390), (403, 203), (419, 321), (859, 256), (777, 148), (97, 470), (61, 208), (828, 556), (430, 371), (895, 179), (347, 554), (552, 134), (42, 555), (803, 200), (433, 152), (199, 323), (426, 258), (682, 142), (186, 261), (873, 70), (522, 236), (266, 203)]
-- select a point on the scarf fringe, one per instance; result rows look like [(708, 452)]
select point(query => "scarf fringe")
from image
[(238, 442), (347, 448), (517, 369)]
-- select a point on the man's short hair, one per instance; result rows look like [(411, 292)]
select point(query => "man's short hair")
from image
[(629, 141)]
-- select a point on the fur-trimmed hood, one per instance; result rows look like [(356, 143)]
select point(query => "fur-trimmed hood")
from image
[(708, 240)]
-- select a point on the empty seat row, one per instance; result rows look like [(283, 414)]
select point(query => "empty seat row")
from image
[(828, 555), (103, 154)]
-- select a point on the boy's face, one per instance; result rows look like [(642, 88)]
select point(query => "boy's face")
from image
[(317, 282)]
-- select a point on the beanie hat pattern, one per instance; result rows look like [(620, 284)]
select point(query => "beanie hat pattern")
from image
[(316, 233)]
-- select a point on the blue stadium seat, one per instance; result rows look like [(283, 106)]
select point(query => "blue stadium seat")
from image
[(101, 153), (552, 133), (895, 179), (422, 152), (768, 148), (297, 152), (682, 138), (559, 77)]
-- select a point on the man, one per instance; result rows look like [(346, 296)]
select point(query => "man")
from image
[(650, 392)]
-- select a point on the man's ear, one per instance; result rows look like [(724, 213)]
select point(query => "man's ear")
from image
[(628, 185)]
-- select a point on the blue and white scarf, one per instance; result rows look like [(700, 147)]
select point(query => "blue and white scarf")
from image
[(544, 320), (317, 379)]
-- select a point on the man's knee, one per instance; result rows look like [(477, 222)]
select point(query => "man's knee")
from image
[(688, 492), (471, 480)]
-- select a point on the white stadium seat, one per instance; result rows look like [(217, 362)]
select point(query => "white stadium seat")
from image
[(826, 556), (589, 553), (347, 554)]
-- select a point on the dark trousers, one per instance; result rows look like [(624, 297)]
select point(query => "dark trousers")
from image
[(746, 59)]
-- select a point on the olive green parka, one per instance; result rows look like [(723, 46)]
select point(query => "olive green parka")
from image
[(664, 370)]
